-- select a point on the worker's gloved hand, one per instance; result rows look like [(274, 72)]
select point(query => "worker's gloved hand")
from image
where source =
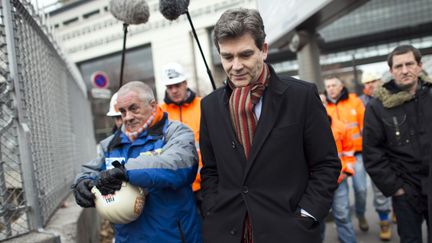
[(342, 177), (111, 180), (83, 195)]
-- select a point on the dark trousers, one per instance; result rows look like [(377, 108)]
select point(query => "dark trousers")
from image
[(409, 221)]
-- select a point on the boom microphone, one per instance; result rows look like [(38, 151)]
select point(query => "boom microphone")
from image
[(172, 9), (130, 11)]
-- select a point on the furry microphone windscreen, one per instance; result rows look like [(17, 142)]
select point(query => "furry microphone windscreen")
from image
[(130, 11), (172, 9)]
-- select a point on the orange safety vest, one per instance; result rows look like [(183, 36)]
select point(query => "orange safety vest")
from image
[(188, 113), (345, 147), (350, 110)]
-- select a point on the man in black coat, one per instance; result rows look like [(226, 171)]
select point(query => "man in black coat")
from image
[(397, 140), (270, 165)]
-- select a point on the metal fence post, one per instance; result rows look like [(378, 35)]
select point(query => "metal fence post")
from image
[(4, 219), (29, 179)]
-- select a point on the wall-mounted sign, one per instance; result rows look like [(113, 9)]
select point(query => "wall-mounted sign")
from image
[(100, 93), (100, 80)]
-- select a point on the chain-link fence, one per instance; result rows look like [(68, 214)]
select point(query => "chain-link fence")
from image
[(45, 122)]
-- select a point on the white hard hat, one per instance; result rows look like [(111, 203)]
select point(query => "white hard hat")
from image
[(112, 109), (122, 207), (172, 73), (370, 76)]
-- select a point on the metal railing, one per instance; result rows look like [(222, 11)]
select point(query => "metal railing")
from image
[(46, 129)]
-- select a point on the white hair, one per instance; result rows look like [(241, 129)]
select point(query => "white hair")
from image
[(144, 91)]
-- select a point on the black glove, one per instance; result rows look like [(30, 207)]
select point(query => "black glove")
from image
[(83, 195), (111, 180)]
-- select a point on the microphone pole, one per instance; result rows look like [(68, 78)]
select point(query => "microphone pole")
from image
[(201, 51), (125, 30)]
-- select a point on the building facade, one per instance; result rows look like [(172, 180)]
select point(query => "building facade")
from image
[(356, 41), (93, 38)]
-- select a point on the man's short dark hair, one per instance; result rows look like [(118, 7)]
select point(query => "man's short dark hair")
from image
[(236, 22), (402, 50)]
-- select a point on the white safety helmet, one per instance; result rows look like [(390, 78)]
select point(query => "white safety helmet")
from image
[(112, 109), (172, 73), (370, 76), (122, 207)]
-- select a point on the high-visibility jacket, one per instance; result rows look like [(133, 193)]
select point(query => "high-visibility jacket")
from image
[(350, 110), (345, 147), (189, 113)]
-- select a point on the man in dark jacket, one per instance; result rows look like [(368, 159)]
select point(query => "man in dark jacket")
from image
[(270, 165), (397, 140)]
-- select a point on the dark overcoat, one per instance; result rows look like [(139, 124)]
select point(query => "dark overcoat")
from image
[(293, 164), (397, 143)]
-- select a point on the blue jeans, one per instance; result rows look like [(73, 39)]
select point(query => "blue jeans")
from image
[(341, 214), (381, 203), (409, 221), (360, 186)]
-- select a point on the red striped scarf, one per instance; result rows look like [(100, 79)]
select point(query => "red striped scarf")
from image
[(133, 135), (155, 117), (241, 105)]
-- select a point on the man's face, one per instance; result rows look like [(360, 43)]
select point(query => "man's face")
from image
[(242, 60), (333, 87), (371, 86), (405, 70), (134, 111), (118, 121), (177, 92)]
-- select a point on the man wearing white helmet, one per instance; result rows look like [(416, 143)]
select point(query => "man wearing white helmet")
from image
[(114, 113), (152, 153), (382, 204), (370, 80), (182, 104)]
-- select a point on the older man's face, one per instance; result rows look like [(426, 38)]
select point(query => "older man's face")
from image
[(371, 86), (134, 111), (333, 87)]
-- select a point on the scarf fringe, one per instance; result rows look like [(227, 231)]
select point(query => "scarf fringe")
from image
[(154, 118)]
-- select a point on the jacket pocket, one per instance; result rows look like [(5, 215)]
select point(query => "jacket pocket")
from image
[(397, 130), (306, 222)]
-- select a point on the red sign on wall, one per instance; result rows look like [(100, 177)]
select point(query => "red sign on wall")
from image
[(100, 80)]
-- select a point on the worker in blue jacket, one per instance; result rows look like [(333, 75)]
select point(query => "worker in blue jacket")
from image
[(159, 156)]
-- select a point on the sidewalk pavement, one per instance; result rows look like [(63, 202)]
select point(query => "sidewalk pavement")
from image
[(371, 236)]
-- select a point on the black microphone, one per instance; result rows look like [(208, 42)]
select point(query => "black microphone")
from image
[(172, 9), (130, 11)]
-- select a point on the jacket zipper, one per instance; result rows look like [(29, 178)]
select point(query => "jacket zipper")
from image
[(181, 115), (182, 238), (396, 124)]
